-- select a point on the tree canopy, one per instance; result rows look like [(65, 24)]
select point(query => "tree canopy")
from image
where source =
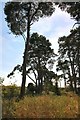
[(20, 16), (69, 52), (40, 58), (18, 13), (73, 8)]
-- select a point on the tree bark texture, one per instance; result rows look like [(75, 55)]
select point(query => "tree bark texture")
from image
[(25, 58)]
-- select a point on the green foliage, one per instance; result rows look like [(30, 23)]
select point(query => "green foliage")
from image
[(68, 60), (18, 12), (40, 54), (48, 87), (73, 8), (30, 89), (40, 48), (10, 91), (69, 47), (20, 16)]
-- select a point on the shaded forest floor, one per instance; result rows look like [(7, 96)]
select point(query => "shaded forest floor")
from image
[(44, 106)]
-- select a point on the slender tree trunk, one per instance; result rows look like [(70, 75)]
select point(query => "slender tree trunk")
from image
[(78, 63), (39, 82), (79, 60), (22, 92), (78, 66), (74, 78), (73, 71), (75, 85), (57, 89), (25, 58), (64, 80), (74, 74), (39, 76), (71, 83), (79, 74), (70, 79)]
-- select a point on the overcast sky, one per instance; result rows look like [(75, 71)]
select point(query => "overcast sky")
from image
[(11, 47)]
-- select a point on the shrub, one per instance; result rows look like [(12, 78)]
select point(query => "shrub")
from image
[(10, 91), (30, 88)]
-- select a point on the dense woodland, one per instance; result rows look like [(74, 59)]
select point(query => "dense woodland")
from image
[(39, 57)]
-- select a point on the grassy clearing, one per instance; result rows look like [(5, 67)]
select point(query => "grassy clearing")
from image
[(44, 106)]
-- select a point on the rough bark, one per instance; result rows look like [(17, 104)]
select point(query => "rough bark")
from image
[(25, 57)]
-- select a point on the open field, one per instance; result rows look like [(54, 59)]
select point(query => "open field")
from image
[(44, 106)]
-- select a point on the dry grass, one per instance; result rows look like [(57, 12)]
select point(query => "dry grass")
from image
[(45, 106)]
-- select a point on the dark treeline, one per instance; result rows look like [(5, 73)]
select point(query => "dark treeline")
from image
[(69, 58), (39, 57)]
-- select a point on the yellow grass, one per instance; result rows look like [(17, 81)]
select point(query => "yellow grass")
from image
[(45, 106)]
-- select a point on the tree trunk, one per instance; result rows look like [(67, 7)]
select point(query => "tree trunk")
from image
[(78, 63), (73, 72), (64, 80), (39, 76), (72, 68), (75, 86), (22, 92), (39, 85), (70, 79), (25, 58), (79, 75), (57, 89), (71, 84), (74, 77)]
